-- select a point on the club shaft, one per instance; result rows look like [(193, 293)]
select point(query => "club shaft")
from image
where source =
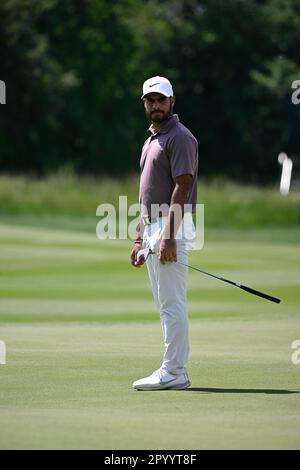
[(245, 288)]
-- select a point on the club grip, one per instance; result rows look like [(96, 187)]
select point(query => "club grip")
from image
[(260, 294)]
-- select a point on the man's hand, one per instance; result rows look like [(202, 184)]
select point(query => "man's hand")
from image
[(167, 250), (133, 255)]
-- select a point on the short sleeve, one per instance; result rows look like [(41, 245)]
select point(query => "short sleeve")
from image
[(182, 153)]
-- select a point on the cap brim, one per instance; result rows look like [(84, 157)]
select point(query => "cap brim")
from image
[(155, 91)]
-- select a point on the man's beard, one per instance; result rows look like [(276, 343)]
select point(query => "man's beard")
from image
[(160, 116)]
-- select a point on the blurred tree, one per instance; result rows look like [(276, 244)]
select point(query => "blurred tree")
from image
[(74, 71), (64, 64), (290, 141)]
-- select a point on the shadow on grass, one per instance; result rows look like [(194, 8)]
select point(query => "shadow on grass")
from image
[(241, 390)]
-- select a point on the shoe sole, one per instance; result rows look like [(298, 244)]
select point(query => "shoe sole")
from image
[(183, 386)]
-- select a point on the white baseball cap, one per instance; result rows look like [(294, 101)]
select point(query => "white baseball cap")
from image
[(157, 85)]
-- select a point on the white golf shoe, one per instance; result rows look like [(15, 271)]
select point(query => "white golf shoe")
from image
[(163, 380)]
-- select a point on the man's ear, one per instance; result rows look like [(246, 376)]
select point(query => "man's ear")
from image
[(173, 100)]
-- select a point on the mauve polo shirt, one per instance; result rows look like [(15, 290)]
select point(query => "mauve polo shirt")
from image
[(166, 154)]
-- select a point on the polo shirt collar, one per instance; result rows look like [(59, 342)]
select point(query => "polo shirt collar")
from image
[(166, 127)]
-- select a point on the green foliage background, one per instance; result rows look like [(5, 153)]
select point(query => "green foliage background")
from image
[(74, 70)]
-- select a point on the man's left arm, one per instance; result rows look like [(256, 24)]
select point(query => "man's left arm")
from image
[(180, 197)]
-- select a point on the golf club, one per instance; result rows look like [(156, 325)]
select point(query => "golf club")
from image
[(147, 251)]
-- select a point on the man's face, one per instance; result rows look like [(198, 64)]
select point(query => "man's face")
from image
[(158, 107)]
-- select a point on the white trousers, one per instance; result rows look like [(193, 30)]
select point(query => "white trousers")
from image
[(169, 285)]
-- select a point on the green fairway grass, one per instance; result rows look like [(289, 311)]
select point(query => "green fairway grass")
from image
[(79, 324)]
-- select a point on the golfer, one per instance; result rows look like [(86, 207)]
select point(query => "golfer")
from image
[(168, 191)]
